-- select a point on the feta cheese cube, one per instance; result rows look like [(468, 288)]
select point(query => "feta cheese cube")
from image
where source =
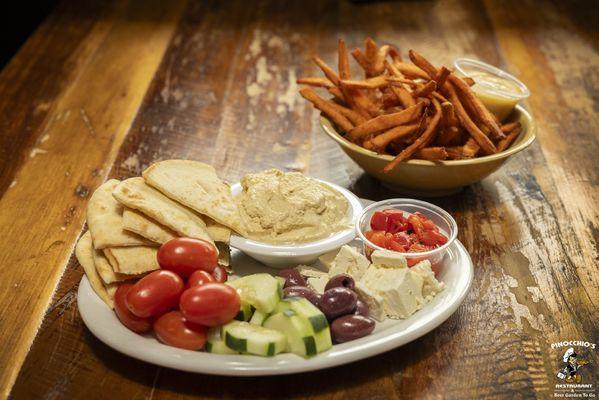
[(349, 261), (372, 300), (431, 286), (310, 272), (400, 289), (388, 259), (318, 283), (327, 259)]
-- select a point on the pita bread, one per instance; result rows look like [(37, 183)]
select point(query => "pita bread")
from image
[(132, 260), (139, 223), (105, 220), (196, 185), (105, 270), (84, 253), (135, 193), (218, 232)]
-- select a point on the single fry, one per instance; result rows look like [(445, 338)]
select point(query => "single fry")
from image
[(422, 141), (326, 108), (425, 90), (328, 71), (348, 113), (469, 81), (360, 58), (370, 83), (510, 126), (455, 153), (423, 64), (470, 149), (315, 81), (483, 141), (431, 153), (381, 141), (483, 114), (378, 66), (395, 54), (343, 63), (449, 118), (505, 143), (386, 121), (411, 71), (336, 92), (442, 76)]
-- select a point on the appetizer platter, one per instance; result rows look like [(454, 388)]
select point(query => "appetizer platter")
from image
[(163, 285)]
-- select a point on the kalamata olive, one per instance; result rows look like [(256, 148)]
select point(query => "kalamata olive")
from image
[(362, 309), (341, 280), (338, 301), (292, 277), (351, 327), (302, 291)]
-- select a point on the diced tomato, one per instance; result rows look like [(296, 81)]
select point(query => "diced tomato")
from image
[(416, 224), (378, 238), (433, 238), (378, 221), (426, 223), (419, 248), (403, 238), (396, 222)]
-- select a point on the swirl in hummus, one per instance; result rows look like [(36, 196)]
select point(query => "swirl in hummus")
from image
[(286, 207)]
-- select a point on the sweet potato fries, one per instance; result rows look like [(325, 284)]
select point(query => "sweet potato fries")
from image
[(409, 110)]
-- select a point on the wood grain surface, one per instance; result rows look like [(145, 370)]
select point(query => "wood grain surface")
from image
[(103, 89)]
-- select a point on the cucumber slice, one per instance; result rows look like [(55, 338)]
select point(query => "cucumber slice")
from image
[(317, 320), (245, 311), (214, 343), (247, 338), (260, 290), (258, 318), (298, 331), (281, 281)]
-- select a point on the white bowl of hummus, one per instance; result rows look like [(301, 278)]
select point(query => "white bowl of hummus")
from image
[(291, 219)]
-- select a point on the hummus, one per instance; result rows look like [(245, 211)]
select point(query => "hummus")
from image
[(286, 207)]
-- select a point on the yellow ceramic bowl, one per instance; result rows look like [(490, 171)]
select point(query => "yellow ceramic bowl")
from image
[(434, 178)]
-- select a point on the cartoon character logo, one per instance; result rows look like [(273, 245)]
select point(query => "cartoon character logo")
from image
[(570, 372)]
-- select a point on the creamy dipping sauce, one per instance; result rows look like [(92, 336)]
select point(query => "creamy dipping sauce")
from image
[(286, 207), (500, 95)]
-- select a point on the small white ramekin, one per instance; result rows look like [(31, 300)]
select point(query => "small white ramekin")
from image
[(287, 256)]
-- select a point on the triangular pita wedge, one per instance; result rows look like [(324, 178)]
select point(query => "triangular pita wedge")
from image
[(196, 185), (105, 269), (84, 253), (135, 193), (143, 225), (132, 260), (105, 220), (218, 232)]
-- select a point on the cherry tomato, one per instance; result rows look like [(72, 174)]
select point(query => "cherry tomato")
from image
[(211, 304), (198, 278), (220, 274), (155, 294), (378, 221), (173, 329), (185, 255), (127, 318)]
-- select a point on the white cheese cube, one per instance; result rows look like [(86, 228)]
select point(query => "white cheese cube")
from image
[(310, 272), (327, 259), (431, 286), (349, 261), (400, 289), (318, 283), (388, 259), (372, 300)]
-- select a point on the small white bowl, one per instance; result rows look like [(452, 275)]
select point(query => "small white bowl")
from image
[(291, 255)]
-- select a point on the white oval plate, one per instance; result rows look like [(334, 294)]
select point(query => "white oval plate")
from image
[(457, 273)]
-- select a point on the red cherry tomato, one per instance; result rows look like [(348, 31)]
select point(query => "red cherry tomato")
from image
[(173, 329), (155, 294), (198, 278), (211, 304), (127, 318), (185, 255), (378, 221), (220, 274)]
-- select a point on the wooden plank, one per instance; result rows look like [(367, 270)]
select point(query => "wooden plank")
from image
[(215, 98), (80, 137)]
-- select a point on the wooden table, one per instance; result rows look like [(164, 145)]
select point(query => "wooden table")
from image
[(104, 89)]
